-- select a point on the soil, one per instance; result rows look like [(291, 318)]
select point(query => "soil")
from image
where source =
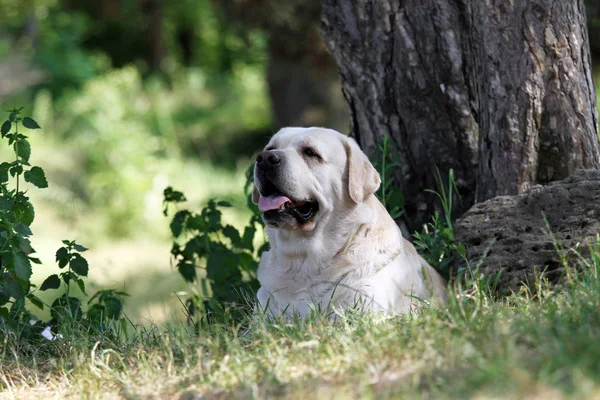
[(521, 233)]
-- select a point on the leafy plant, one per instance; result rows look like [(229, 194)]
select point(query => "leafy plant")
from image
[(78, 266), (389, 194), (16, 216), (226, 257), (437, 242), (104, 306)]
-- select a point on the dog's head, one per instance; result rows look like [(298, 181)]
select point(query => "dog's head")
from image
[(307, 174)]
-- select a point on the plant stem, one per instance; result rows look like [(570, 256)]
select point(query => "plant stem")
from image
[(69, 281), (17, 151)]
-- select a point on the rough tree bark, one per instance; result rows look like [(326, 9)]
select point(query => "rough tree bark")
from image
[(500, 91)]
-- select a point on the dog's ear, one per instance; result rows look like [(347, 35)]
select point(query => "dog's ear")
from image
[(363, 179), (255, 194)]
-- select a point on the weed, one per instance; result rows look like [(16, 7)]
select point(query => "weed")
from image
[(16, 216), (389, 194), (437, 242), (227, 257)]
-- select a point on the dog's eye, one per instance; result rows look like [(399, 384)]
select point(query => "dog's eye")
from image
[(310, 152)]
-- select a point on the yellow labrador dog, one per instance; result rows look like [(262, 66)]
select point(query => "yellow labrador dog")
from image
[(333, 244)]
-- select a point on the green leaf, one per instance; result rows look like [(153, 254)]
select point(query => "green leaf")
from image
[(222, 268), (233, 235), (35, 301), (62, 257), (95, 313), (5, 128), (81, 285), (187, 270), (197, 245), (23, 149), (113, 307), (79, 248), (36, 176), (29, 123), (23, 244), (98, 294), (79, 265), (248, 238), (193, 246), (247, 262), (62, 254), (16, 169), (51, 282), (23, 211), (13, 289), (224, 204), (12, 115), (6, 204), (22, 266), (66, 276), (265, 247), (66, 307), (174, 196), (4, 167), (214, 220), (22, 229), (178, 222), (195, 222)]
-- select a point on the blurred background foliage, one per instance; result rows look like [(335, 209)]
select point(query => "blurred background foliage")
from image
[(137, 95)]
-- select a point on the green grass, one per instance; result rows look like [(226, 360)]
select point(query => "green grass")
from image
[(541, 342)]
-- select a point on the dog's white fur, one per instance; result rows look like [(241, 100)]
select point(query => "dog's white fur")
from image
[(352, 252)]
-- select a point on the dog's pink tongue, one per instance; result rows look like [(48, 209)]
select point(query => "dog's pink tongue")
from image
[(271, 202)]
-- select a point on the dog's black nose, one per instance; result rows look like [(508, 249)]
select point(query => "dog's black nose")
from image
[(268, 159)]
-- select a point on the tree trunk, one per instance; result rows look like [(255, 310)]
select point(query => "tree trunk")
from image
[(304, 86), (593, 23), (156, 48), (499, 91), (302, 77)]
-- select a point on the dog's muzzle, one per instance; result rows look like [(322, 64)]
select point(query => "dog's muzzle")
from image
[(279, 209)]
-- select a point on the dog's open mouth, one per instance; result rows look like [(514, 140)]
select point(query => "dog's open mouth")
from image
[(275, 205), (303, 211)]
